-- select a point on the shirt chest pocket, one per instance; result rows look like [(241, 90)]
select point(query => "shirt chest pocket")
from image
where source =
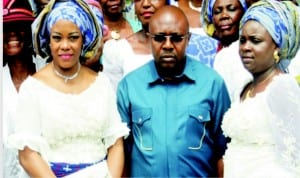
[(196, 129), (142, 128)]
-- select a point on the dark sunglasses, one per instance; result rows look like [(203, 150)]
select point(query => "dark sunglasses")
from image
[(175, 38)]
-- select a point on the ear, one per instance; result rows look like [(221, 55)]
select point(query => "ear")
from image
[(188, 39)]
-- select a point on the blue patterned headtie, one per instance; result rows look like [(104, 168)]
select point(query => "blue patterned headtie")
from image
[(281, 20), (86, 17)]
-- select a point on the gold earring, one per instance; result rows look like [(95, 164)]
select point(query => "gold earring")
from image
[(276, 56)]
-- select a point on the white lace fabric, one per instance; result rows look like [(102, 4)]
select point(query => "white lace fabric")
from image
[(264, 141), (73, 128)]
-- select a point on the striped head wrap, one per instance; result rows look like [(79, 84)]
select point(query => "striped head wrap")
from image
[(87, 17), (207, 15), (282, 21)]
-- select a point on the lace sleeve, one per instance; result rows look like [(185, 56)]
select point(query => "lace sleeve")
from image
[(114, 128), (27, 122), (283, 100)]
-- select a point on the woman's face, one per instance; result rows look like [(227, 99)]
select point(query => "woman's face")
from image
[(256, 47), (144, 9), (65, 43), (112, 7), (226, 18), (15, 37)]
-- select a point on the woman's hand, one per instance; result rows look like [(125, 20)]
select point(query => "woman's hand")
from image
[(34, 164), (115, 158)]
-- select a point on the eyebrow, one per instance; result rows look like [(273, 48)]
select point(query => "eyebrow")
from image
[(162, 33), (72, 33)]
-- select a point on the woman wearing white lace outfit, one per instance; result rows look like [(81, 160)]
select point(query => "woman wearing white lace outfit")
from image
[(262, 124), (121, 56), (67, 123)]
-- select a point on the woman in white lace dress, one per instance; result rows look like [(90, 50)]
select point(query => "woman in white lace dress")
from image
[(263, 124), (67, 123)]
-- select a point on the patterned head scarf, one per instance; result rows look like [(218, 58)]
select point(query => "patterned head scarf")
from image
[(87, 17), (207, 15), (282, 21)]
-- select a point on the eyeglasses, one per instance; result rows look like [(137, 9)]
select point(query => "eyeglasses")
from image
[(174, 38)]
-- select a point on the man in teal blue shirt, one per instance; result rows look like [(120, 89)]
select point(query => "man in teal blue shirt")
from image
[(174, 107)]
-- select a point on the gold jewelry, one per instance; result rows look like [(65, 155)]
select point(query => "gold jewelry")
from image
[(115, 34), (276, 56), (252, 87), (115, 30), (66, 78)]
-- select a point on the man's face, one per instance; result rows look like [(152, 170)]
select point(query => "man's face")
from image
[(169, 38)]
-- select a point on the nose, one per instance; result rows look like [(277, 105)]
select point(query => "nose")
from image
[(65, 45), (245, 46), (167, 44), (146, 3), (224, 14)]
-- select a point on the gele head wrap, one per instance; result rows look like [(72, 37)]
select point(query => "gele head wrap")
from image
[(76, 11), (282, 21), (96, 8), (207, 15)]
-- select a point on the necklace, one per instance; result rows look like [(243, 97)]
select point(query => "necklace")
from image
[(66, 78), (252, 87), (115, 32), (194, 7)]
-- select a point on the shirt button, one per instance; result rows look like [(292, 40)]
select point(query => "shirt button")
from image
[(200, 117), (140, 120)]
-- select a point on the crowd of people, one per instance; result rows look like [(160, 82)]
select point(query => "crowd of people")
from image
[(151, 88)]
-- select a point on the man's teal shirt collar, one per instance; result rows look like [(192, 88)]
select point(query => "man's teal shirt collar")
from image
[(187, 75)]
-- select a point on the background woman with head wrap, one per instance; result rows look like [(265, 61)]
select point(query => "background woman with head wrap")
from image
[(67, 119), (220, 20), (263, 124)]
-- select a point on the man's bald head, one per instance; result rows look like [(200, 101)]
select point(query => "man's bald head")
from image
[(169, 15)]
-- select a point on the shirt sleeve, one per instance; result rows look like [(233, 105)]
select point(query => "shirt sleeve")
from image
[(221, 105), (283, 100)]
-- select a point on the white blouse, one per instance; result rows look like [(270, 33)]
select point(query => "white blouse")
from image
[(72, 128), (11, 166), (265, 141)]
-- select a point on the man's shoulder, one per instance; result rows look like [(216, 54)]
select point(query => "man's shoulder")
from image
[(140, 72)]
